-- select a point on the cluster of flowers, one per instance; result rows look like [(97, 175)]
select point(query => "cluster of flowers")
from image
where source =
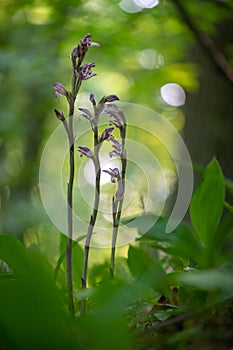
[(106, 106), (117, 119)]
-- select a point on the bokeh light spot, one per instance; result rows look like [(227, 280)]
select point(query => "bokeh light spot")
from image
[(130, 6), (114, 81), (150, 59), (148, 4), (173, 94)]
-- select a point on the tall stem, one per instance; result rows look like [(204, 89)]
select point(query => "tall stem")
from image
[(79, 73), (70, 208), (94, 214), (117, 207), (70, 131)]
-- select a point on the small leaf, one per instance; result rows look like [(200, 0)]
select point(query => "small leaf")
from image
[(163, 315), (207, 202)]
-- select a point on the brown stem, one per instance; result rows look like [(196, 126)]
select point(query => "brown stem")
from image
[(117, 207), (207, 43)]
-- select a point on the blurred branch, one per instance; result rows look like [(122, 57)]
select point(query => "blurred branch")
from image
[(206, 43)]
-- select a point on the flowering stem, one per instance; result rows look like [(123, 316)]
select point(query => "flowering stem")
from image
[(93, 217), (76, 84), (117, 205), (79, 73), (70, 184)]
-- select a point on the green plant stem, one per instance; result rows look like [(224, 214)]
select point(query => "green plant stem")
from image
[(93, 216)]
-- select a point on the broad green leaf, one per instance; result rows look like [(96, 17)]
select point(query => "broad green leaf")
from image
[(13, 253), (29, 301), (181, 243), (107, 327), (207, 202), (148, 270), (77, 259), (138, 261), (209, 280)]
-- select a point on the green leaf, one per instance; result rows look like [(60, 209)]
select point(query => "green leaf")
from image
[(138, 261), (209, 280), (181, 243), (207, 202), (77, 259), (148, 270), (29, 300), (13, 253)]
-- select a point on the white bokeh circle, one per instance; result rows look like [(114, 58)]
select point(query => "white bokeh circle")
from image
[(173, 94)]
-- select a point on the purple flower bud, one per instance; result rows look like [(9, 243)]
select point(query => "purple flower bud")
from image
[(109, 98), (86, 114), (85, 71), (114, 154), (112, 106), (107, 134), (60, 90), (85, 151), (59, 115), (117, 148), (116, 145), (92, 99), (118, 121), (84, 44), (76, 52), (114, 173)]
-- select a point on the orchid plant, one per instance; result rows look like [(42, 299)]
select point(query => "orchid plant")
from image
[(105, 106)]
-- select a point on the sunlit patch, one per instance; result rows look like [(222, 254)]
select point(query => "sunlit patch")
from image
[(39, 15), (150, 59), (83, 99), (14, 161), (173, 94), (114, 81), (175, 116), (130, 6), (106, 163), (148, 4)]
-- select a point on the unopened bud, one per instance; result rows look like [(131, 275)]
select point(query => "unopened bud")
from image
[(85, 151), (59, 115), (107, 134)]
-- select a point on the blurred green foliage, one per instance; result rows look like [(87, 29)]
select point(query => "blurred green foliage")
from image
[(36, 39), (163, 286)]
